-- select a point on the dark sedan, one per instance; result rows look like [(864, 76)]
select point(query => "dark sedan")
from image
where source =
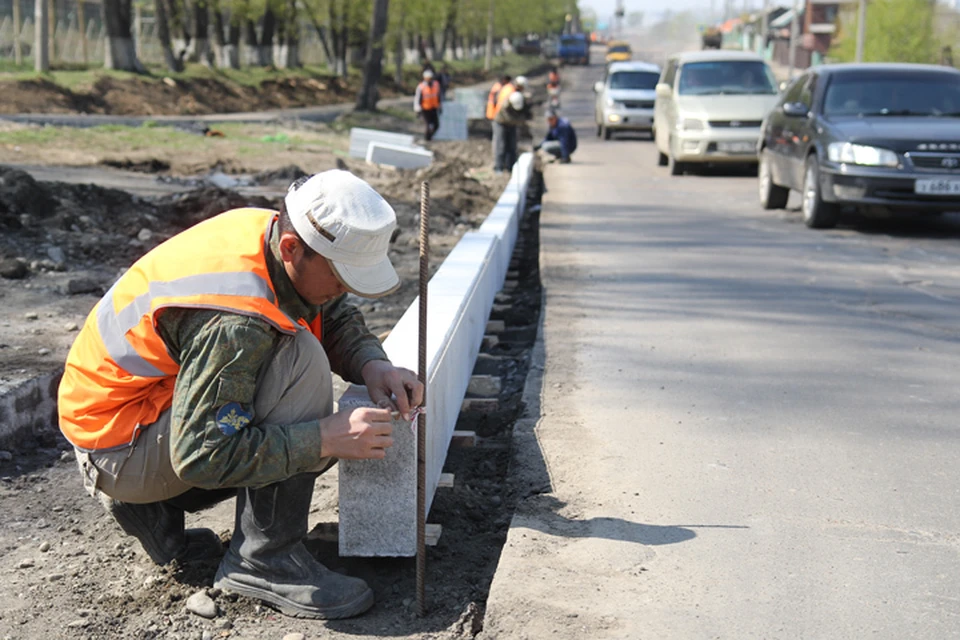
[(873, 136)]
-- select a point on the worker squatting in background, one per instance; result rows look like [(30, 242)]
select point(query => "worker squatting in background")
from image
[(561, 140), (427, 103)]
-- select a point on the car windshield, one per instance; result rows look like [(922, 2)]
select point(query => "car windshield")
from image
[(620, 48), (726, 77), (906, 93), (643, 80)]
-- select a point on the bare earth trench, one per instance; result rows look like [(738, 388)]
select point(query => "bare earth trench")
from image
[(67, 570)]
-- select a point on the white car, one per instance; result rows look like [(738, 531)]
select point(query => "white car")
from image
[(710, 106), (625, 98)]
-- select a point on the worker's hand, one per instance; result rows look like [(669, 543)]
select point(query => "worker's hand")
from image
[(392, 387), (356, 434)]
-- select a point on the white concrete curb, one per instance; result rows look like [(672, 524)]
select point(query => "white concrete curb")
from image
[(378, 498)]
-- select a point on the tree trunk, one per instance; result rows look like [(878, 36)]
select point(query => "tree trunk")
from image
[(201, 31), (176, 18), (290, 38), (367, 100), (41, 49), (120, 52), (231, 52), (174, 63), (449, 30), (252, 44), (321, 33), (266, 37), (345, 40), (334, 37)]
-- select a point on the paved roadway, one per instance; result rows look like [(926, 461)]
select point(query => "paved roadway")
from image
[(747, 429)]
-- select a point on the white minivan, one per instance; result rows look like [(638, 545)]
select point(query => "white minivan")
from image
[(709, 108), (625, 97)]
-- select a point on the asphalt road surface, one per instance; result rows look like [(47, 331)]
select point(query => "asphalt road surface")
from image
[(749, 427)]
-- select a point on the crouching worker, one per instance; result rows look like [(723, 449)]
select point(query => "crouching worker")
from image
[(205, 373), (561, 139)]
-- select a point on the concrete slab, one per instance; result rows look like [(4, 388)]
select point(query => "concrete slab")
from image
[(398, 156), (361, 138), (453, 122), (475, 101)]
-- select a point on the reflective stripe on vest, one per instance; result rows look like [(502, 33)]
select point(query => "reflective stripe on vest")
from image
[(113, 327), (429, 95), (503, 96), (119, 375), (492, 100)]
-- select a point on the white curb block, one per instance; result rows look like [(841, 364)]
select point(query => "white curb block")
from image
[(378, 497), (398, 156), (361, 138)]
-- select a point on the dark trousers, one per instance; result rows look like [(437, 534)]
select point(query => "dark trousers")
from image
[(431, 121), (504, 146)]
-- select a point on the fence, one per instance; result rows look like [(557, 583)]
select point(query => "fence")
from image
[(72, 44)]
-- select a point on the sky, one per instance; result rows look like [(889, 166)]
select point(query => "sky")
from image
[(605, 8)]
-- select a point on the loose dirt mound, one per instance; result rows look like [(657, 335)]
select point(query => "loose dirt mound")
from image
[(161, 95)]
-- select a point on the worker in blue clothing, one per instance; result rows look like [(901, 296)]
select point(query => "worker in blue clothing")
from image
[(561, 139)]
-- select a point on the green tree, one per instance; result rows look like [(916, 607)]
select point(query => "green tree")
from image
[(897, 31)]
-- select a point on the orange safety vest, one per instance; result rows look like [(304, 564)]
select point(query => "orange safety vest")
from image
[(502, 97), (492, 100), (429, 95), (119, 376)]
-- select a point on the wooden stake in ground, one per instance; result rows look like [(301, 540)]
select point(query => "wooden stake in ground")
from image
[(422, 418)]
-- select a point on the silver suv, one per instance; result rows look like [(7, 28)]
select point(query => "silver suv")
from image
[(625, 98)]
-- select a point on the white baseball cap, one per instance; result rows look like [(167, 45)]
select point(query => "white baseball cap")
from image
[(520, 81), (345, 220), (427, 74)]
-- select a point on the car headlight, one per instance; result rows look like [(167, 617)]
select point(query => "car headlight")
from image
[(691, 124), (849, 153)]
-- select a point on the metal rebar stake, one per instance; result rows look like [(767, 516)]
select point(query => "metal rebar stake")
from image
[(422, 418)]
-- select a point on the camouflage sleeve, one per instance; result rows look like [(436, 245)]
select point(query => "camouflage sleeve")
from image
[(347, 341), (220, 356)]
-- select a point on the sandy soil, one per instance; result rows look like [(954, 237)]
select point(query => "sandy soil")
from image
[(69, 571)]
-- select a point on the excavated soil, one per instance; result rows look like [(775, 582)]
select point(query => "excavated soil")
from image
[(160, 95), (70, 572)]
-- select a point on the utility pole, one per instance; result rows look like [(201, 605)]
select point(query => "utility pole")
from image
[(764, 27), (794, 36), (861, 28), (488, 59), (41, 54)]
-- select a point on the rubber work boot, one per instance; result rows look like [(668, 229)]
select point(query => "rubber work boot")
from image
[(267, 559), (160, 529)]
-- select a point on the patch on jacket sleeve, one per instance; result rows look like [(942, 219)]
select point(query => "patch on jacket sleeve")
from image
[(232, 417)]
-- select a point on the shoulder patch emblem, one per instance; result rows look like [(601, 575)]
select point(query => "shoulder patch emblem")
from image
[(232, 417)]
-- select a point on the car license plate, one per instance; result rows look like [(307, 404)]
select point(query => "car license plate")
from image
[(737, 147), (942, 187)]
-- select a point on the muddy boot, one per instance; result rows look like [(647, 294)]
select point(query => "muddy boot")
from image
[(267, 559), (159, 528)]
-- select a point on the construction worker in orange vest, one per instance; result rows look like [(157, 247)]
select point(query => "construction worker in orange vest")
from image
[(494, 94), (505, 128), (205, 374), (427, 103)]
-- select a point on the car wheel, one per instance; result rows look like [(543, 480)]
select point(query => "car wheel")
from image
[(676, 168), (817, 214), (662, 160), (772, 196), (607, 133)]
